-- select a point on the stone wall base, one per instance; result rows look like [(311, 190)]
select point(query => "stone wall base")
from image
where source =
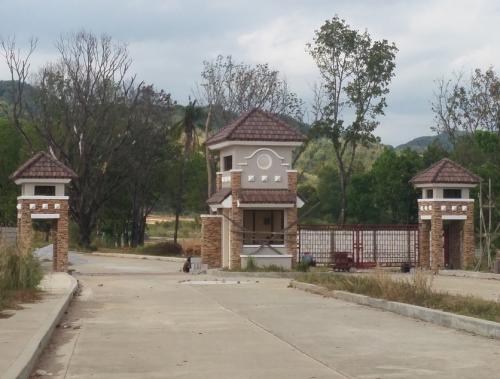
[(211, 240)]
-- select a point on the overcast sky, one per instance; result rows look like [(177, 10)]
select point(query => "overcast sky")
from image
[(169, 39)]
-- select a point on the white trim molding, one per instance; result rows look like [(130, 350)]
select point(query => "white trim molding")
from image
[(300, 202), (227, 203), (445, 185), (265, 149), (45, 216), (265, 255), (265, 205), (432, 200), (43, 198), (426, 217), (454, 217), (255, 245), (43, 181), (222, 144)]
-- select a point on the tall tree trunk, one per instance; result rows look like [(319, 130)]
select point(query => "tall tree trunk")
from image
[(85, 229), (179, 197), (142, 230), (343, 197), (208, 156)]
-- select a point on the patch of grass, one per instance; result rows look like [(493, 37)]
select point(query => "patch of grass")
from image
[(164, 248), (19, 277), (303, 266), (417, 291), (187, 229)]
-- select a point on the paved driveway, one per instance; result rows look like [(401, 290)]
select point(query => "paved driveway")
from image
[(154, 324)]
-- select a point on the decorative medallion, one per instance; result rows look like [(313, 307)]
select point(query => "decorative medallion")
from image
[(264, 161)]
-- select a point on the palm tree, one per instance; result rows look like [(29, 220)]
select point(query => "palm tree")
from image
[(187, 127)]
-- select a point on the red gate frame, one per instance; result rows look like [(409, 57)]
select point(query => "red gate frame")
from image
[(357, 250)]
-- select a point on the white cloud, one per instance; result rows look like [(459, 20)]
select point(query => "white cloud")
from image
[(169, 39)]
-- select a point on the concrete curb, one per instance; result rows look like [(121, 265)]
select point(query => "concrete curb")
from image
[(261, 274), (25, 362), (274, 275), (140, 256), (470, 274), (473, 325)]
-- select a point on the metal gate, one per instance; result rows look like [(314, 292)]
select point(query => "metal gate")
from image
[(367, 245)]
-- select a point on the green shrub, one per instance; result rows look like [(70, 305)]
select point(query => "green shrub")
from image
[(303, 266), (251, 265), (19, 271), (19, 277), (187, 229), (162, 248)]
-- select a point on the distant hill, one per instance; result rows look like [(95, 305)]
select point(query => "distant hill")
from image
[(419, 144)]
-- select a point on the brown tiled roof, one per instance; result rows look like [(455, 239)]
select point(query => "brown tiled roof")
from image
[(257, 125), (279, 196), (256, 196), (445, 171), (219, 196), (43, 166)]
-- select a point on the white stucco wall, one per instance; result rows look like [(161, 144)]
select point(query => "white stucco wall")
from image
[(246, 158), (437, 190), (28, 189)]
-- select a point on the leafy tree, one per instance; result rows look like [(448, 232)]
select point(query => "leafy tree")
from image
[(188, 129), (363, 209), (10, 158), (434, 152), (384, 194), (93, 116), (479, 153), (328, 194), (356, 72)]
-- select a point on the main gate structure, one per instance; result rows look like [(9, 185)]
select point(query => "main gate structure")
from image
[(367, 245)]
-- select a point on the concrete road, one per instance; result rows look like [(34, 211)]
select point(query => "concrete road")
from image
[(88, 264), (151, 323)]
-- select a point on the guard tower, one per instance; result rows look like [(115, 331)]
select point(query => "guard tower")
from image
[(254, 211), (446, 215), (43, 180)]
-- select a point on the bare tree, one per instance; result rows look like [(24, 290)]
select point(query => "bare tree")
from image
[(93, 116), (229, 89), (18, 63), (85, 100), (463, 106)]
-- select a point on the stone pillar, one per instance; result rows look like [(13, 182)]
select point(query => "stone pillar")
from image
[(291, 233), (237, 222), (291, 219), (292, 180), (61, 243), (211, 240), (24, 228), (468, 242), (424, 244), (218, 181), (437, 239)]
